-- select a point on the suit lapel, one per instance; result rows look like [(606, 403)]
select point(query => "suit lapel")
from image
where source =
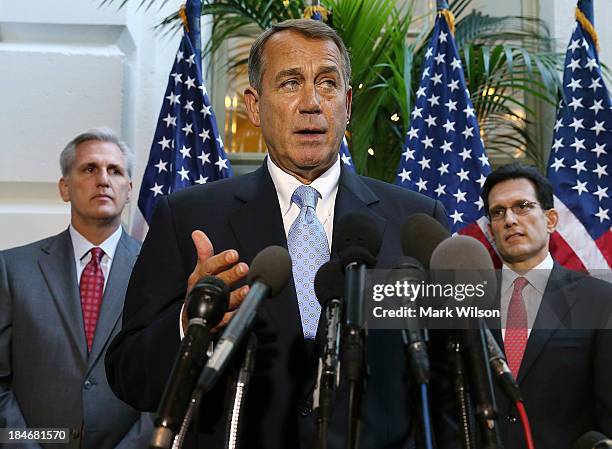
[(58, 267), (354, 196), (114, 293), (257, 224), (556, 303)]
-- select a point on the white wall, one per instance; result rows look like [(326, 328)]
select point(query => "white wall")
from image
[(69, 65)]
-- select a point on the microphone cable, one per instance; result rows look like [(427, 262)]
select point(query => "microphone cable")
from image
[(520, 406), (426, 416)]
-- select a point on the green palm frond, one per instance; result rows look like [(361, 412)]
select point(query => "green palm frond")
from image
[(375, 33), (508, 61)]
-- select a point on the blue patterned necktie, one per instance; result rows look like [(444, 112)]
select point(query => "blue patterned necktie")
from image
[(309, 250)]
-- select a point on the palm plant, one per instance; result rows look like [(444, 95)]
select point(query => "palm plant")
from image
[(506, 60)]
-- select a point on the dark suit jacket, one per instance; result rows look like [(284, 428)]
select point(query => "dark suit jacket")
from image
[(243, 213), (566, 373), (47, 378)]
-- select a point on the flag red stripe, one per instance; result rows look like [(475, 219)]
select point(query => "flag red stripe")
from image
[(473, 230), (562, 252), (604, 243)]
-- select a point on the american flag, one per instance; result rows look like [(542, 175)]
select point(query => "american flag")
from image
[(345, 155), (444, 156), (187, 148), (580, 160)]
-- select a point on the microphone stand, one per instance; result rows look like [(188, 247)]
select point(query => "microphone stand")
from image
[(328, 373), (354, 355), (477, 356), (234, 419), (466, 417), (416, 352)]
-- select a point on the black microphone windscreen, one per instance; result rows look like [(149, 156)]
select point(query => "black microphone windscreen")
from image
[(420, 235), (271, 266), (208, 299), (357, 230), (329, 282), (357, 254), (468, 259), (211, 281), (593, 440), (407, 269), (461, 252)]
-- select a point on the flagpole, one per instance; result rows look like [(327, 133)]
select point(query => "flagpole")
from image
[(193, 10), (586, 6)]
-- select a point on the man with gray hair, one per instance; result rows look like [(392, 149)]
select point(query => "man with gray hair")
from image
[(300, 97), (60, 305)]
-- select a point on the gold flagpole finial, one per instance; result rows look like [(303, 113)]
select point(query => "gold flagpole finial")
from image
[(310, 11), (450, 19), (588, 27), (183, 16)]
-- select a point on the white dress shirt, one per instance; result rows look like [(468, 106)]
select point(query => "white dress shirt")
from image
[(326, 185), (82, 256), (537, 279), (285, 185)]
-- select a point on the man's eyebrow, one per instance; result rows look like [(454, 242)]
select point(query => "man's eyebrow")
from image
[(287, 73), (329, 69), (298, 72), (520, 201)]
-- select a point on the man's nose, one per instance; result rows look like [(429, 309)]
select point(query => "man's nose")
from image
[(103, 178), (509, 218), (310, 102)]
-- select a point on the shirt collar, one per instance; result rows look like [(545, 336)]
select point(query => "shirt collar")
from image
[(82, 246), (537, 276), (286, 184)]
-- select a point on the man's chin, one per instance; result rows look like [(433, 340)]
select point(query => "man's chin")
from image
[(516, 254)]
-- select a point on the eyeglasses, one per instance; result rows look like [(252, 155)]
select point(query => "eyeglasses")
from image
[(520, 208)]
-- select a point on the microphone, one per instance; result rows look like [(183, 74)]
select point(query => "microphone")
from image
[(410, 270), (358, 241), (329, 286), (500, 368), (268, 275), (206, 304), (469, 263), (593, 440), (420, 236)]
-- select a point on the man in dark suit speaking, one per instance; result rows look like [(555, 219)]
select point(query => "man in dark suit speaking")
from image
[(555, 322), (60, 305), (300, 96)]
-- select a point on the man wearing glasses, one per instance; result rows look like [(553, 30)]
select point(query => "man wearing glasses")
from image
[(552, 319)]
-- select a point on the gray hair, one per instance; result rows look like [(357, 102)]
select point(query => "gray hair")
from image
[(68, 155), (312, 29)]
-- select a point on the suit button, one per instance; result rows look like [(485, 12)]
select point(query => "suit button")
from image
[(511, 419), (88, 384), (75, 433), (305, 407)]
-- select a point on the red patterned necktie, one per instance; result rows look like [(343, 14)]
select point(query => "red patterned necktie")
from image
[(516, 327), (92, 289)]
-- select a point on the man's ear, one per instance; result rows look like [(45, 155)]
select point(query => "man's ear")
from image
[(251, 100), (63, 189), (552, 219)]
